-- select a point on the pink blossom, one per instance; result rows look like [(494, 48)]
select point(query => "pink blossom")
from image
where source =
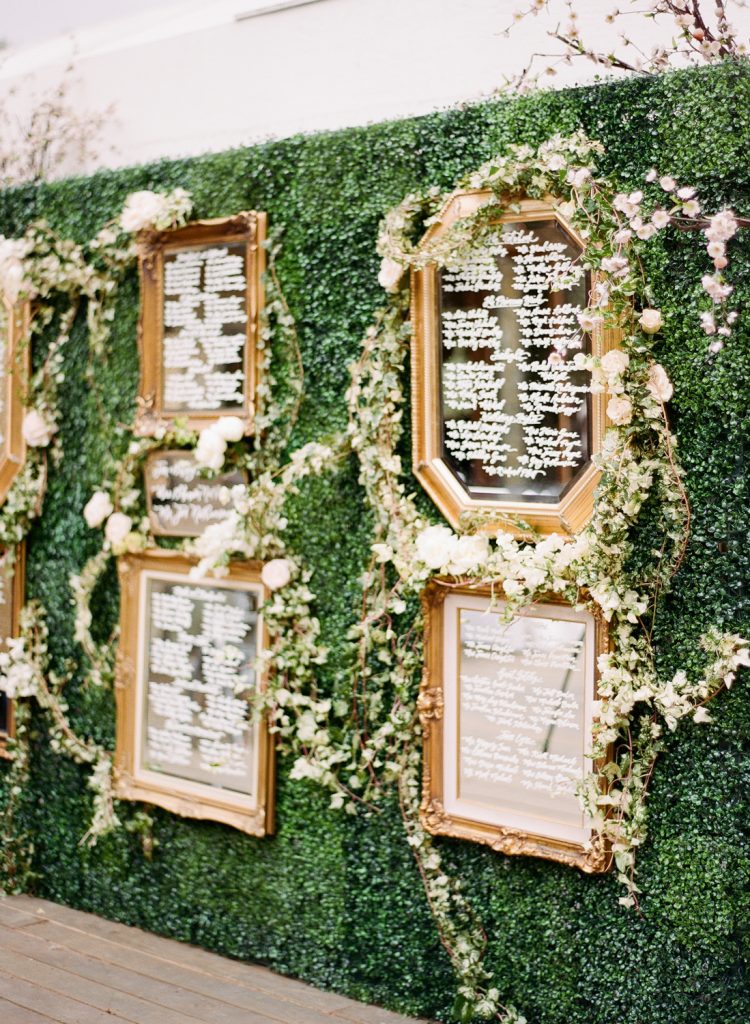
[(708, 323), (692, 208), (616, 265), (685, 193), (722, 227), (589, 321), (668, 183), (660, 219), (713, 285)]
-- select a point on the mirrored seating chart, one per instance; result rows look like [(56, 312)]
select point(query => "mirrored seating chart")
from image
[(11, 599), (521, 692), (205, 329), (510, 748), (187, 737), (198, 659), (181, 501), (201, 297), (515, 411)]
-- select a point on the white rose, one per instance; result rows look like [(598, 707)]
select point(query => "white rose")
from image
[(435, 546), (650, 320), (36, 431), (209, 452), (390, 274), (620, 411), (19, 681), (230, 428), (97, 509), (615, 361), (276, 573), (468, 553), (659, 383), (118, 527), (141, 210)]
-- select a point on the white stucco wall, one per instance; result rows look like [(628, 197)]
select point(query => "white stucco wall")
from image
[(198, 76)]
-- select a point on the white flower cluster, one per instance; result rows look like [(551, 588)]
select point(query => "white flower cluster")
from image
[(13, 272), (147, 209), (17, 677), (213, 441)]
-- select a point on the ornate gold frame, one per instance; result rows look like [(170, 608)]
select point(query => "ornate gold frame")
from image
[(17, 363), (16, 594), (156, 528), (591, 857), (183, 797), (248, 227), (568, 515)]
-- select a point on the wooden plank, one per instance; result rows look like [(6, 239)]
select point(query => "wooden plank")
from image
[(192, 970), (239, 1005), (172, 1005), (196, 969), (55, 1006), (11, 1013), (101, 997), (251, 976), (14, 916)]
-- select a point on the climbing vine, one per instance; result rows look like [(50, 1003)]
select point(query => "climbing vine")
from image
[(367, 745)]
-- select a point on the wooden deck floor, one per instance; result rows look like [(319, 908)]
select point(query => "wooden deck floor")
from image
[(60, 965)]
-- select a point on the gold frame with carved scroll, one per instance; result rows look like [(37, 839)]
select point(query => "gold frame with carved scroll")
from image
[(591, 856), (249, 228), (181, 796), (574, 510), (17, 321), (16, 593), (148, 484)]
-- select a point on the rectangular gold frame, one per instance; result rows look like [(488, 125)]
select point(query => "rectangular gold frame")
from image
[(183, 797), (156, 528), (431, 706), (248, 227), (572, 513), (17, 364), (16, 595)]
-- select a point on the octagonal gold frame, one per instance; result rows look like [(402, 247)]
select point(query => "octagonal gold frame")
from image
[(574, 510)]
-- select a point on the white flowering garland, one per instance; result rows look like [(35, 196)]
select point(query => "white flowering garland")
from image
[(361, 748), (38, 268), (638, 464)]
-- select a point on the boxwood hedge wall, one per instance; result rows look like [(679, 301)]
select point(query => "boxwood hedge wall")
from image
[(337, 900)]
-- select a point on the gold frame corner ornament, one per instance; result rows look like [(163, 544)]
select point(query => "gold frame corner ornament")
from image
[(249, 228), (591, 857), (573, 511), (182, 797)]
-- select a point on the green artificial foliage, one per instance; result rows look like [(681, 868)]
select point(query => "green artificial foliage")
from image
[(336, 899)]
